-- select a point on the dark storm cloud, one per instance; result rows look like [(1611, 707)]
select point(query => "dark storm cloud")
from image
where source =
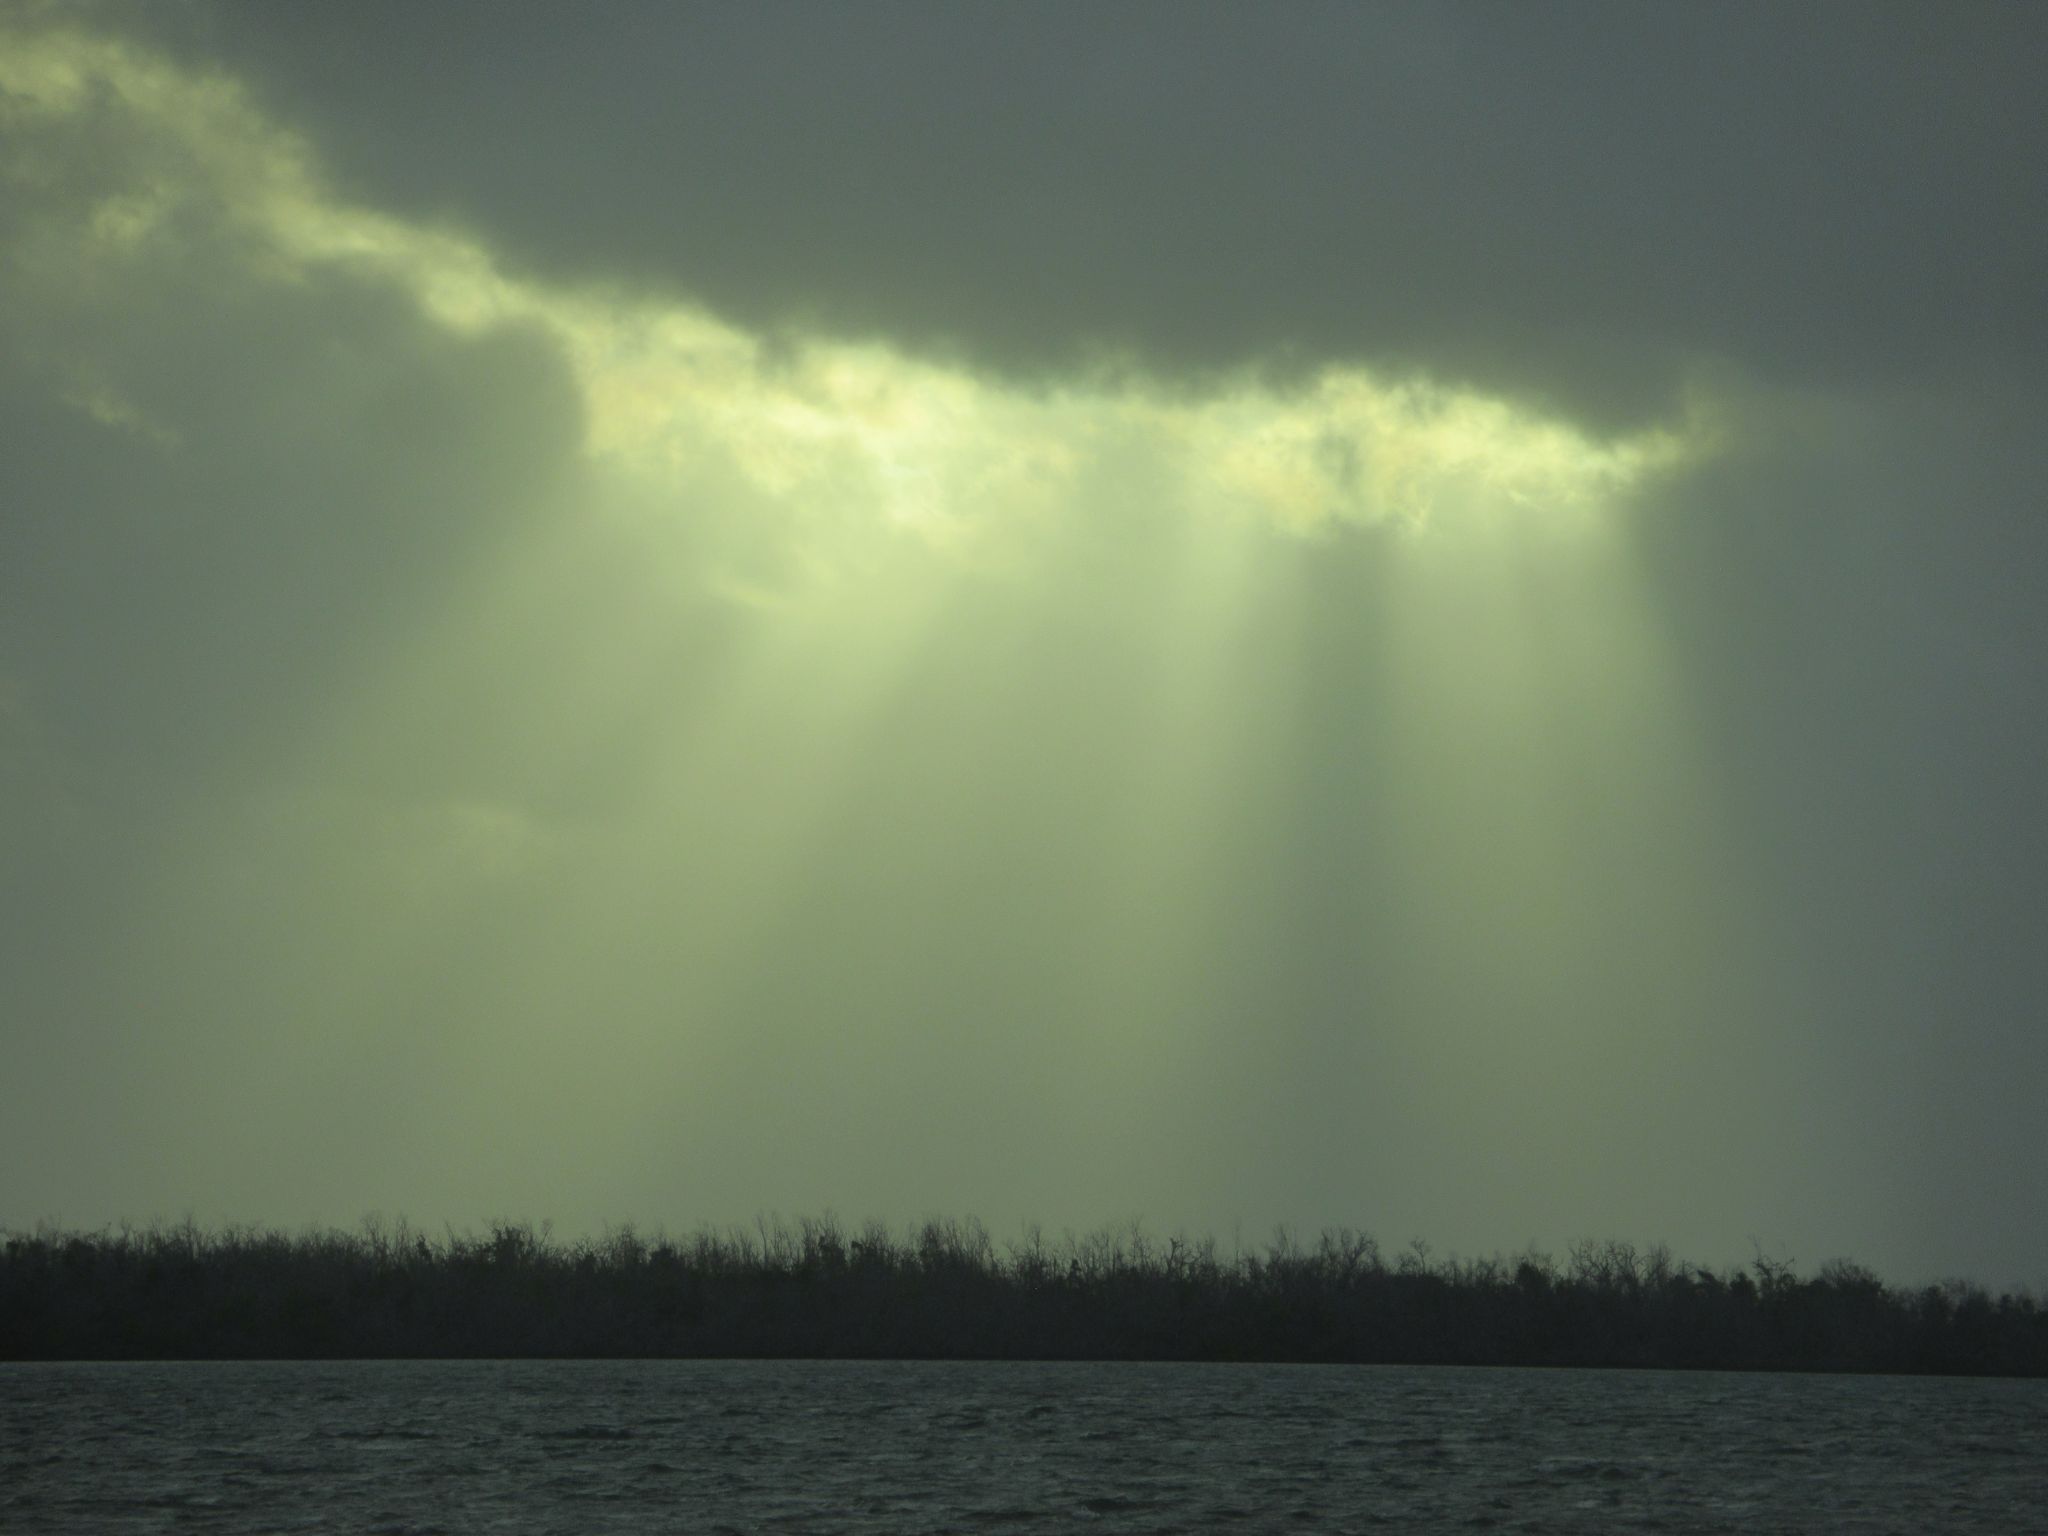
[(1683, 886), (1572, 202)]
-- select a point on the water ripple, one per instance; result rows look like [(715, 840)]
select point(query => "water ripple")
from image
[(523, 1448)]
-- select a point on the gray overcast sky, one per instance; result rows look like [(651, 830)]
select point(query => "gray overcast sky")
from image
[(1432, 617)]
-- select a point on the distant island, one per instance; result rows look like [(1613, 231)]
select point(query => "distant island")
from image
[(947, 1290)]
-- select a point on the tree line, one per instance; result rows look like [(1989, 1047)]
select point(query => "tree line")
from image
[(946, 1290)]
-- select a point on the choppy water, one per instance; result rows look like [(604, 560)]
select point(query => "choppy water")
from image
[(641, 1446)]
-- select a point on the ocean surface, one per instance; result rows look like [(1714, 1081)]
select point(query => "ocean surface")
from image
[(706, 1446)]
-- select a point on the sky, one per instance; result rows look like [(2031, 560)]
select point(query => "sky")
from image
[(1430, 618)]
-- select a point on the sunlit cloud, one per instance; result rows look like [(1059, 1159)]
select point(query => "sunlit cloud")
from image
[(845, 443)]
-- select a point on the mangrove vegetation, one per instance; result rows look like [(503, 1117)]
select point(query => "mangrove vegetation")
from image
[(947, 1289)]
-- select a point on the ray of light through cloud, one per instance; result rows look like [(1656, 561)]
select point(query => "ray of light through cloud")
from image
[(812, 753)]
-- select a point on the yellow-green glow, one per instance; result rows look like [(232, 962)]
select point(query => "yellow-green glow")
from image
[(839, 754)]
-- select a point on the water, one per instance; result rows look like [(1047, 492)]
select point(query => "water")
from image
[(706, 1446)]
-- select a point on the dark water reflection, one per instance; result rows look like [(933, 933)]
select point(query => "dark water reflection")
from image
[(592, 1446)]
